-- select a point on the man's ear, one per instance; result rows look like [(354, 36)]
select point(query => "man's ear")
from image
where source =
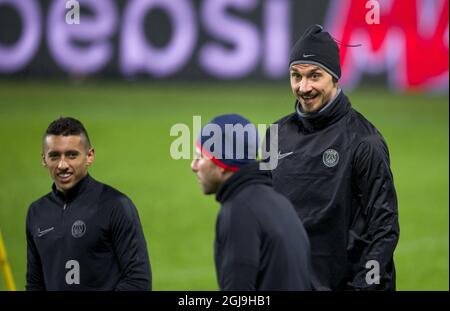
[(90, 156), (335, 81), (222, 171), (44, 163)]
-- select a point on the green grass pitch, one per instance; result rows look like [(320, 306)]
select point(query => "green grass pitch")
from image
[(129, 125)]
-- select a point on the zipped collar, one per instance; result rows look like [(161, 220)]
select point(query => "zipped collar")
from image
[(74, 192), (329, 114), (247, 175)]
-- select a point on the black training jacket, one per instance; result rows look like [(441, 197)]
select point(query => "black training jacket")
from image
[(334, 167), (260, 242), (90, 240)]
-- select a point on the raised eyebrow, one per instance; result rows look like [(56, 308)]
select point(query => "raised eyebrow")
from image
[(315, 70), (311, 71)]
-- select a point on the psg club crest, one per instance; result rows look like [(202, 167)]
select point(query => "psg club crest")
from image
[(330, 157), (78, 229)]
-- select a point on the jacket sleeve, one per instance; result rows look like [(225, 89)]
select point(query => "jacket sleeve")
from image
[(130, 248), (239, 248), (34, 275), (374, 184)]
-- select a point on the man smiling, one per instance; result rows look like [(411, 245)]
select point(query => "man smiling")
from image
[(334, 167), (83, 235), (313, 86)]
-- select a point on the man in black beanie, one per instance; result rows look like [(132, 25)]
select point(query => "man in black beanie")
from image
[(260, 242), (334, 166)]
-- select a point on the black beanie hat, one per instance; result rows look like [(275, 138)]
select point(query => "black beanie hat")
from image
[(227, 153), (317, 47)]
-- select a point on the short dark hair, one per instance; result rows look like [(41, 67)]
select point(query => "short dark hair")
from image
[(67, 126)]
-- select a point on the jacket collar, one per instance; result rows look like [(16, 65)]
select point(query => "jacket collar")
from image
[(247, 175), (329, 114), (74, 192)]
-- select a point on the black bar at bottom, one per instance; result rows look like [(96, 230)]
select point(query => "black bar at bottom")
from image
[(224, 300)]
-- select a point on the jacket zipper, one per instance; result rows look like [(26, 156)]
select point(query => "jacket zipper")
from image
[(63, 216)]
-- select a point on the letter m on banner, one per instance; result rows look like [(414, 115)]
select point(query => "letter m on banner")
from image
[(409, 43)]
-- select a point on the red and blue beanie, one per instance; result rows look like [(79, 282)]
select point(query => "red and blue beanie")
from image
[(230, 141), (317, 47)]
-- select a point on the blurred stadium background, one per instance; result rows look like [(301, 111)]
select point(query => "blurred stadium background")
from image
[(130, 70)]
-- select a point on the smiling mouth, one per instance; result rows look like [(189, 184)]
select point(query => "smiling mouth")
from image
[(310, 97), (64, 176)]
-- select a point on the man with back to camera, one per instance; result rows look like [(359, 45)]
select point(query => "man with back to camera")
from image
[(260, 242), (83, 235), (334, 166)]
